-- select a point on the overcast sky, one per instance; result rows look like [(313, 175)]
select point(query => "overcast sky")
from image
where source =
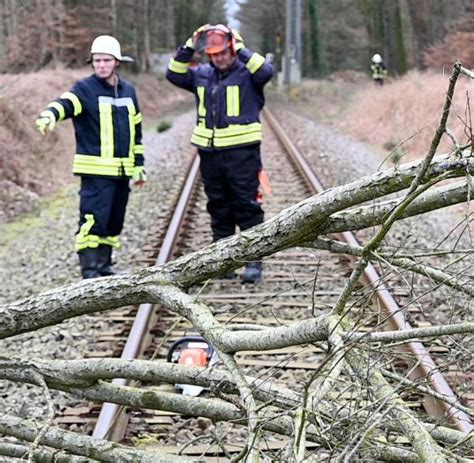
[(232, 7)]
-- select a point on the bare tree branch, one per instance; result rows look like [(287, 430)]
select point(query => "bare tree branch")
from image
[(413, 333), (435, 274), (79, 444), (41, 456), (294, 226)]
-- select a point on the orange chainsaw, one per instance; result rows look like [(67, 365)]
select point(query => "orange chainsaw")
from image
[(191, 350)]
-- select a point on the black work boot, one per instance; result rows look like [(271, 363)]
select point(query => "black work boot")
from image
[(88, 262), (104, 260), (252, 272)]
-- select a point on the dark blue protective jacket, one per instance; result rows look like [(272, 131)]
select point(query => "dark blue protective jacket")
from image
[(107, 122), (228, 105)]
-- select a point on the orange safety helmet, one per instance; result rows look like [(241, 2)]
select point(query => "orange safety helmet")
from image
[(217, 39)]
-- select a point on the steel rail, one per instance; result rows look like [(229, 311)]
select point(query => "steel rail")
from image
[(425, 367), (112, 421)]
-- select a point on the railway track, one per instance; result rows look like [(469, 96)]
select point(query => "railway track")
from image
[(297, 284)]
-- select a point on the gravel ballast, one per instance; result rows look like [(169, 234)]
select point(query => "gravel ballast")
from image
[(36, 251)]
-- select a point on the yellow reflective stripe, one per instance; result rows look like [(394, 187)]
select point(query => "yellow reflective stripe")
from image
[(110, 241), (233, 103), (106, 130), (96, 170), (96, 165), (74, 100), (231, 130), (235, 141), (92, 241), (97, 160), (178, 66), (238, 129), (138, 149), (238, 135), (128, 163), (110, 131), (47, 113), (201, 136), (138, 118), (131, 125), (229, 136), (83, 238), (200, 141), (59, 108), (203, 131), (255, 62), (87, 225), (201, 107)]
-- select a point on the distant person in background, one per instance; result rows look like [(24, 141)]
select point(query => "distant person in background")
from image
[(109, 151), (228, 132), (270, 57), (379, 72)]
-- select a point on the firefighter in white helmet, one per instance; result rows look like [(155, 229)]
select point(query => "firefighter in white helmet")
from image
[(378, 70), (108, 126), (109, 45)]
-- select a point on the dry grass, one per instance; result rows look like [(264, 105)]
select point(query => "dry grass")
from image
[(41, 165), (406, 112), (323, 99), (399, 118)]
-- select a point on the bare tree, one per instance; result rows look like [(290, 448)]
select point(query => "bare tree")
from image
[(313, 416)]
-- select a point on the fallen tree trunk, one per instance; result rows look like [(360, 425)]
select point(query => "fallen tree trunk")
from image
[(317, 415)]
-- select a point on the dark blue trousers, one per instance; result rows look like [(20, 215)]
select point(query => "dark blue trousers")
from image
[(103, 202), (231, 184)]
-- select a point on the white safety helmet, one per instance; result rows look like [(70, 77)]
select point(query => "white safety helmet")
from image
[(376, 58), (110, 46)]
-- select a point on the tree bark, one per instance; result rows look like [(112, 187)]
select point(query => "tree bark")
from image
[(78, 444), (294, 226), (316, 415)]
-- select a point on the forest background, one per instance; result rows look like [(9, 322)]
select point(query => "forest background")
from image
[(337, 34), (44, 44)]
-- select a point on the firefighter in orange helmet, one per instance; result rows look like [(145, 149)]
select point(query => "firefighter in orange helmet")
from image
[(229, 97)]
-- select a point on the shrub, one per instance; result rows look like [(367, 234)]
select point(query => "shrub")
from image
[(396, 156), (163, 125), (457, 45)]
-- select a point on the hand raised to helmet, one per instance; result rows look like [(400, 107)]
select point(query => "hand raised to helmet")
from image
[(239, 41), (193, 40)]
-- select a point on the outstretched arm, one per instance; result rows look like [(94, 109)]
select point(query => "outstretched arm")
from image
[(66, 106)]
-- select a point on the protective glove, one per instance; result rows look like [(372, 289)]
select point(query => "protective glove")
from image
[(239, 41), (192, 42), (139, 175), (45, 121)]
